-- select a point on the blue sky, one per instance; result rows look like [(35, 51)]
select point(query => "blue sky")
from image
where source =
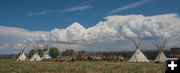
[(48, 14), (88, 24)]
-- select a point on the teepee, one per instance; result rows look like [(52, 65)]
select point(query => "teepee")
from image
[(46, 52), (161, 56), (35, 57), (138, 56), (46, 55), (22, 56)]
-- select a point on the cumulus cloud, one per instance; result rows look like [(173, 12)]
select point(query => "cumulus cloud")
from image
[(132, 5), (117, 27), (14, 34), (114, 28)]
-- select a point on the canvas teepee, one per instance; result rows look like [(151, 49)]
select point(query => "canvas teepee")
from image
[(138, 56), (35, 57), (46, 52), (46, 55), (22, 56), (161, 56)]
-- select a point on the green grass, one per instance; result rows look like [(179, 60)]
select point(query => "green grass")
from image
[(11, 66)]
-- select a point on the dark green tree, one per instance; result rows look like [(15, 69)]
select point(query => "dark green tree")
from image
[(31, 53), (53, 52), (40, 52), (17, 55), (68, 52)]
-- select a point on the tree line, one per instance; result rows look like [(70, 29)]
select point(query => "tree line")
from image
[(53, 52)]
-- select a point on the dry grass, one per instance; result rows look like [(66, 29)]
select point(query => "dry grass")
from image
[(11, 66)]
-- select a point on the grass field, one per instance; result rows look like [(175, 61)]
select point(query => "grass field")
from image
[(11, 66)]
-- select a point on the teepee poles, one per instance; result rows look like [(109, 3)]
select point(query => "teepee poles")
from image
[(138, 56), (136, 43), (161, 56), (35, 57), (46, 52), (22, 56)]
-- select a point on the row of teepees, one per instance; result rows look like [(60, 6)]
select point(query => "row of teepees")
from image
[(138, 56), (35, 57)]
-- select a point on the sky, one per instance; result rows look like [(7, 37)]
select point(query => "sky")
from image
[(100, 25)]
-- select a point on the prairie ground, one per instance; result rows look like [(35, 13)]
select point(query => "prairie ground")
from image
[(11, 66)]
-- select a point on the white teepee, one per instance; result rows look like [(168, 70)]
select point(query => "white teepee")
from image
[(46, 55), (35, 57), (46, 52), (161, 56), (138, 56), (22, 56)]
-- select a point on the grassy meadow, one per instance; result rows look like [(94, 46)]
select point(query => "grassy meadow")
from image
[(11, 66)]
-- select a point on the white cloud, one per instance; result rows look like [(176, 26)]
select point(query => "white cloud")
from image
[(44, 12), (63, 46), (118, 27), (5, 45), (132, 5), (10, 36), (77, 8), (39, 13), (114, 28), (82, 6)]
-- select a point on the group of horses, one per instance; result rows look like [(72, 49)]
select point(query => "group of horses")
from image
[(96, 58)]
